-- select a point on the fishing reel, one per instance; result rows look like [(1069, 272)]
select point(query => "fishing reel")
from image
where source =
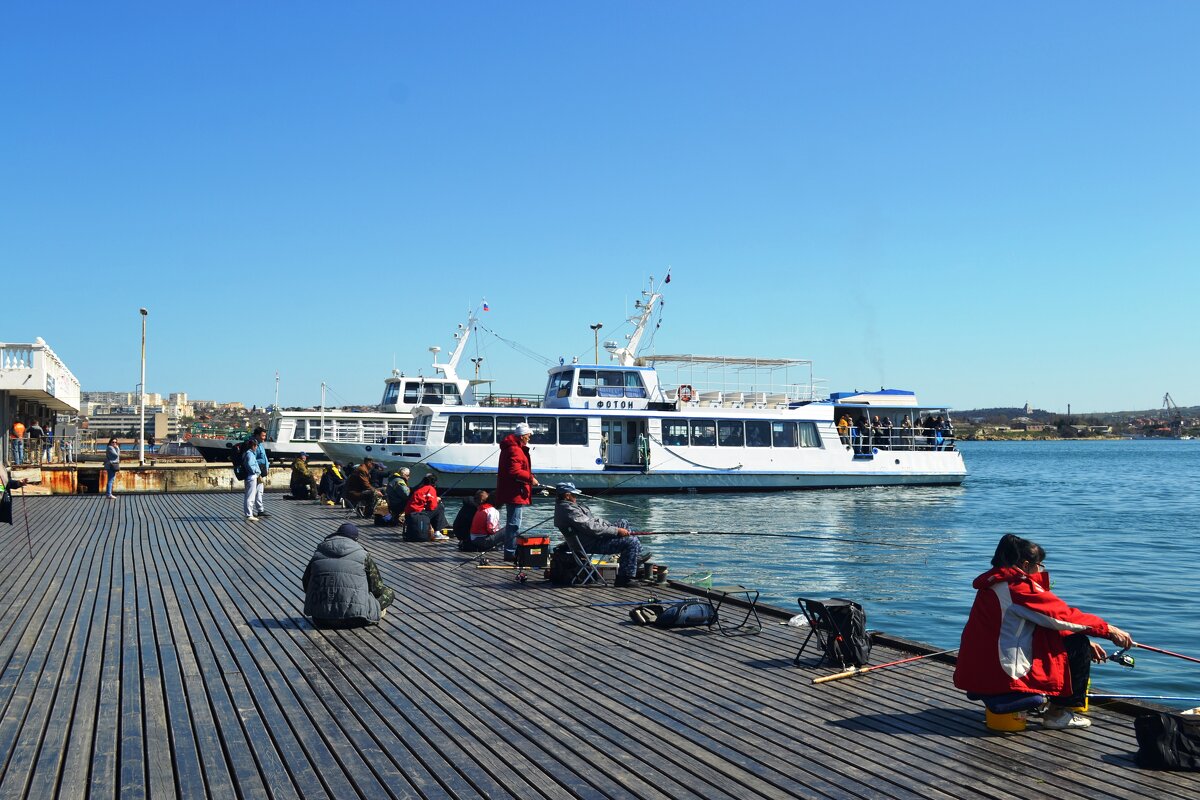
[(1122, 658)]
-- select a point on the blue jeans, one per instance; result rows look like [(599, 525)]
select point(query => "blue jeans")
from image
[(112, 476), (512, 527), (628, 548), (18, 451)]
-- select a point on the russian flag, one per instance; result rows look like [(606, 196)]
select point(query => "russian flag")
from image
[(486, 307)]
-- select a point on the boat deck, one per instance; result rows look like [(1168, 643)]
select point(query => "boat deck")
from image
[(154, 646)]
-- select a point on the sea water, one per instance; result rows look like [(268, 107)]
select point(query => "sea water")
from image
[(1120, 522)]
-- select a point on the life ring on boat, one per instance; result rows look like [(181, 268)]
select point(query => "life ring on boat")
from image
[(685, 393)]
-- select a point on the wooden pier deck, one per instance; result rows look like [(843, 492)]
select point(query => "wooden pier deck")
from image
[(154, 647)]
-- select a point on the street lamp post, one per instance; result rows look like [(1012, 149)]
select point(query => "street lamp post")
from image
[(477, 362), (142, 396), (596, 331)]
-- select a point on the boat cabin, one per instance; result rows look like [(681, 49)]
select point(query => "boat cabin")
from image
[(402, 394), (890, 419), (591, 386)]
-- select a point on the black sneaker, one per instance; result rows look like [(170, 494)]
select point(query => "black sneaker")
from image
[(644, 557), (263, 514), (623, 581)]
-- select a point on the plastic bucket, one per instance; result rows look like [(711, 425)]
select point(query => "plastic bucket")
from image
[(1008, 723)]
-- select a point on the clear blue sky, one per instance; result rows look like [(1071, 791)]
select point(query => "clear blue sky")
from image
[(986, 204)]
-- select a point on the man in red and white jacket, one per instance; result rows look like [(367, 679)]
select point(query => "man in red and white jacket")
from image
[(486, 531)]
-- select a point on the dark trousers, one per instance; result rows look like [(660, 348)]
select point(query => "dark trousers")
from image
[(1079, 666)]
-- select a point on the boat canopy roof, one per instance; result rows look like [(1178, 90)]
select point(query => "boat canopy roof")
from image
[(723, 361), (892, 398)]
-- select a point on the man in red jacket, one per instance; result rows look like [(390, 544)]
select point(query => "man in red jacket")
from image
[(1020, 637), (514, 483)]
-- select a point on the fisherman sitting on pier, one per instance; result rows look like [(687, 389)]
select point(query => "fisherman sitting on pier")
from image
[(1021, 639), (303, 484), (342, 587), (597, 535)]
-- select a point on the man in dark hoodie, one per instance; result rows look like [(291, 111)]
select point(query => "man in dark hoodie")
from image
[(514, 483), (342, 587)]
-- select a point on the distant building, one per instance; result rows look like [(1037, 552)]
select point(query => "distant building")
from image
[(34, 385)]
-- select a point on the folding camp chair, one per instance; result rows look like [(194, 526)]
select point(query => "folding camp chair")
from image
[(824, 628), (586, 572)]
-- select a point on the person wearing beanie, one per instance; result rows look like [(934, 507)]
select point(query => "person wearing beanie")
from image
[(342, 586)]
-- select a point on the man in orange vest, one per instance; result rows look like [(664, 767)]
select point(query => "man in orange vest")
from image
[(18, 442)]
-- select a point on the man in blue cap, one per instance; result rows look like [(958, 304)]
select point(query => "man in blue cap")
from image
[(598, 535), (342, 587)]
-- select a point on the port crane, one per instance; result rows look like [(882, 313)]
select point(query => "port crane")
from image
[(1172, 416)]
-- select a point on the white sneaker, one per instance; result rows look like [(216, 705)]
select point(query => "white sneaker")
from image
[(1060, 719), (251, 519), (441, 537)]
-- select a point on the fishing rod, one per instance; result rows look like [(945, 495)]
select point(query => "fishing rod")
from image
[(1142, 697), (778, 536), (864, 670), (28, 536), (1165, 652)]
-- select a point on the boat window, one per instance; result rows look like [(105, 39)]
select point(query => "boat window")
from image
[(560, 384), (730, 433), (453, 433), (633, 385), (450, 392), (808, 435), (391, 393), (783, 434), (479, 430), (273, 430), (612, 384), (675, 433), (506, 425), (348, 431), (587, 383), (758, 433), (301, 430), (704, 433), (412, 392), (418, 431), (374, 430), (396, 431), (543, 430), (432, 394), (572, 430)]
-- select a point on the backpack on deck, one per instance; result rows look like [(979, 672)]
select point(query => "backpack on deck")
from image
[(236, 454), (851, 642), (687, 613), (1168, 741), (562, 566)]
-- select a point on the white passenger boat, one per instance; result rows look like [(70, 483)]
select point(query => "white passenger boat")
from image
[(294, 431), (616, 427)]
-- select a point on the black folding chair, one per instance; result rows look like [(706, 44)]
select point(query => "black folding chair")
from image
[(824, 628), (586, 572)]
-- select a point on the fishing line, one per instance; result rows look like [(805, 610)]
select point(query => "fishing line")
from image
[(1142, 697), (780, 536)]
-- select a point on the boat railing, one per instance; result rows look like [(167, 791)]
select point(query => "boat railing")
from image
[(866, 441)]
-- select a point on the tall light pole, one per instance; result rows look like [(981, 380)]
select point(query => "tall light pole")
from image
[(477, 362), (596, 331), (142, 397)]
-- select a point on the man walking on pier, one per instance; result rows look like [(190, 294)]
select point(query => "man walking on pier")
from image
[(252, 471)]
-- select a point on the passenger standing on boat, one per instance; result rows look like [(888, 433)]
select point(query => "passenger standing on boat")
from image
[(1021, 638), (112, 465), (843, 429), (864, 433), (514, 483), (888, 432), (342, 586), (333, 480), (17, 440), (906, 433), (303, 484), (597, 535), (397, 493)]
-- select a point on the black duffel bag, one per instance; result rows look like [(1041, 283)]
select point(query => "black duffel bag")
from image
[(1168, 741)]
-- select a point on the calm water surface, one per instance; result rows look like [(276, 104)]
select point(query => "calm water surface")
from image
[(1120, 522)]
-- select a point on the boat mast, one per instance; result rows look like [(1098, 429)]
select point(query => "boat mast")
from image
[(450, 368), (321, 435), (626, 355)]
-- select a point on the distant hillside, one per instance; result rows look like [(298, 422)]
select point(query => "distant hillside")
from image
[(1000, 414)]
